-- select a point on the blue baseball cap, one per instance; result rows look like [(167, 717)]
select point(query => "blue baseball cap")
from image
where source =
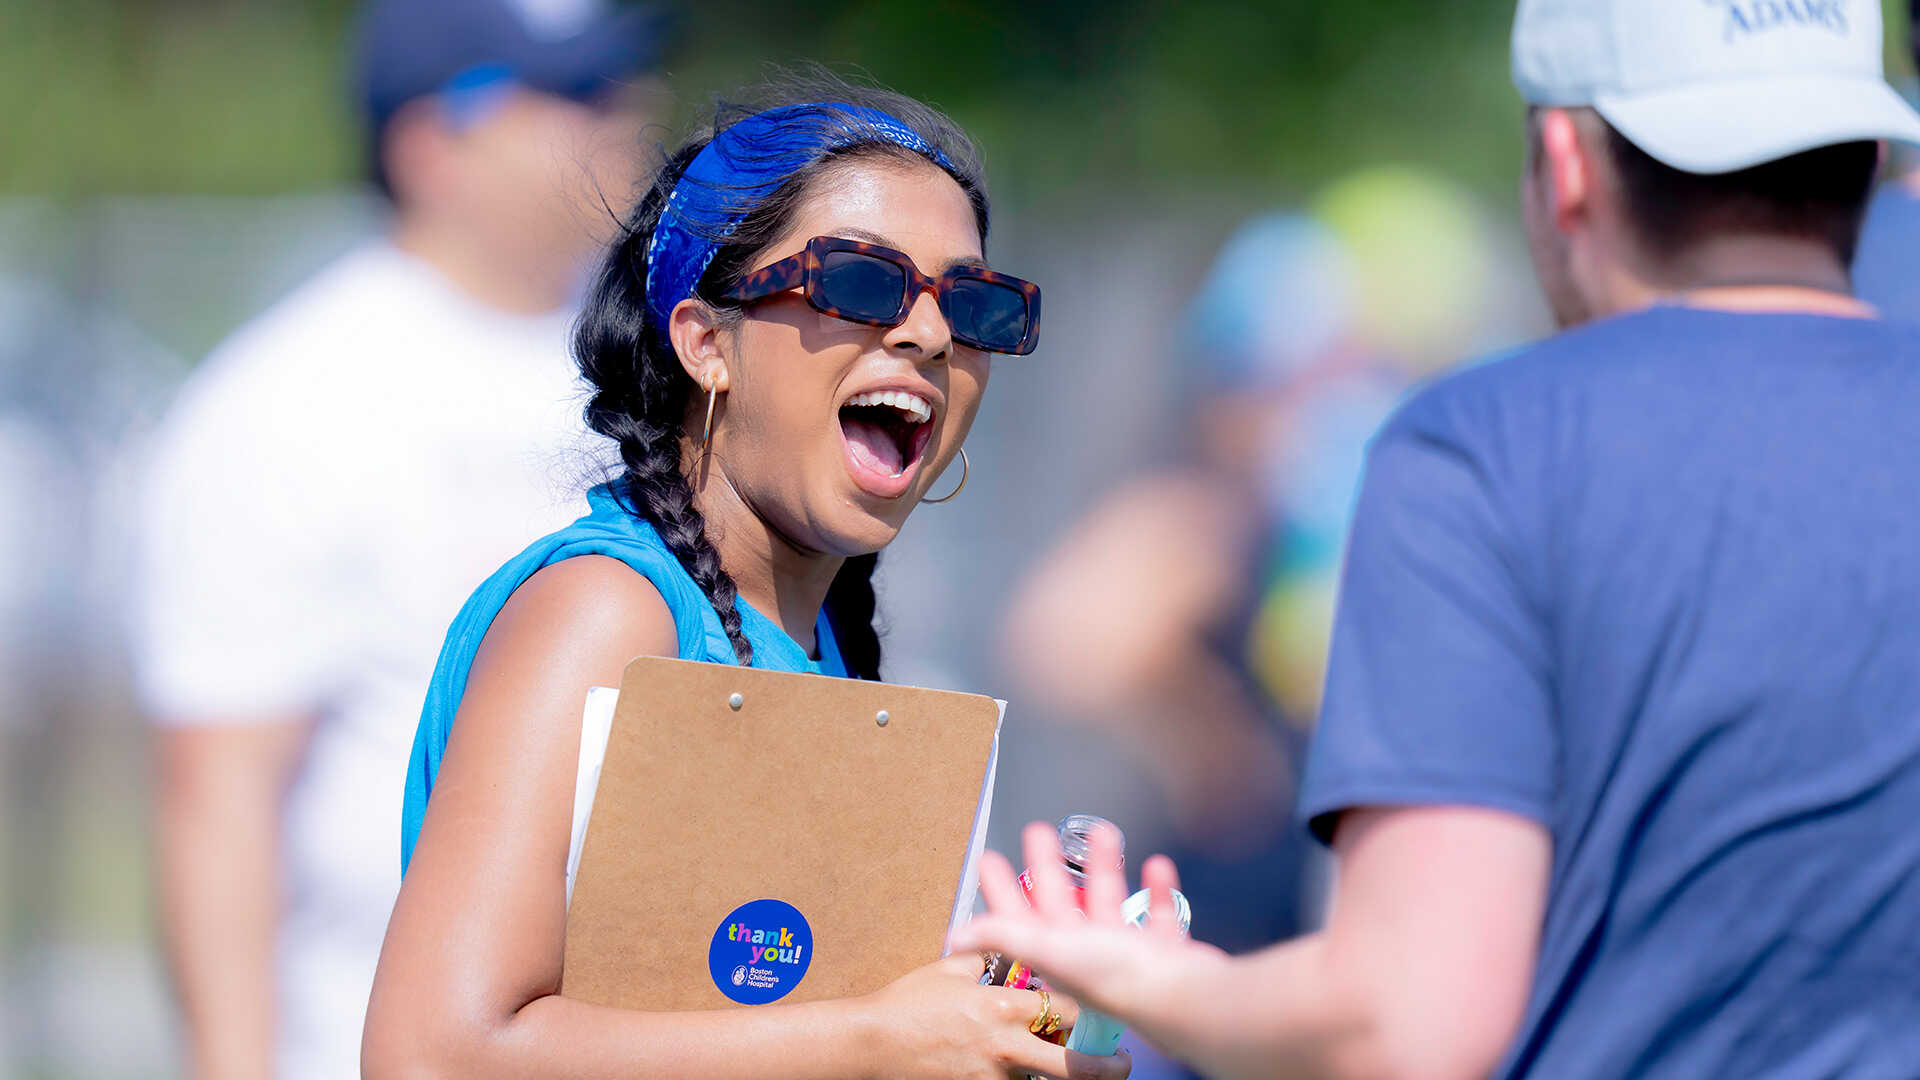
[(408, 49)]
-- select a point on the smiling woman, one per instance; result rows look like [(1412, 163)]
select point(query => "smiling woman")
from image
[(789, 343)]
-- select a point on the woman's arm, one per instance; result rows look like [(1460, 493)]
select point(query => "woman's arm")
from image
[(469, 978)]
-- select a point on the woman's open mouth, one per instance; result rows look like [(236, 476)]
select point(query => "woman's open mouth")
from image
[(885, 433)]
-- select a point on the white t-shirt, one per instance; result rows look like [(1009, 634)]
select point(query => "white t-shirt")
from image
[(329, 488)]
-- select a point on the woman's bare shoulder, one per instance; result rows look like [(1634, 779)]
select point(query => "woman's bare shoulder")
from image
[(587, 615)]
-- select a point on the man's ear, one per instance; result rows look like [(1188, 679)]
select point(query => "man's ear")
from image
[(1568, 165), (417, 153), (695, 332)]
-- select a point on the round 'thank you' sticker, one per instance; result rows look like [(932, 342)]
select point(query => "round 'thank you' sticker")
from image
[(761, 952)]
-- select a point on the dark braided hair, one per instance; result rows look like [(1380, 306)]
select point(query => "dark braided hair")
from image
[(641, 392)]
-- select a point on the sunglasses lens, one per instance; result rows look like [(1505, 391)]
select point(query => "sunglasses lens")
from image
[(860, 287), (988, 315)]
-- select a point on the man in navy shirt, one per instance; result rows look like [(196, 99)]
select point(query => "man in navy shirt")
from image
[(1620, 749)]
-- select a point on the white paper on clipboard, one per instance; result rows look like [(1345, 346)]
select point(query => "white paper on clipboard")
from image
[(596, 724)]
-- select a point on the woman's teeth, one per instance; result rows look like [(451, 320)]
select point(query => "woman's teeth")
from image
[(915, 406)]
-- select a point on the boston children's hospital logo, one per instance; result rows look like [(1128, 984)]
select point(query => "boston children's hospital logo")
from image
[(761, 952), (1748, 17)]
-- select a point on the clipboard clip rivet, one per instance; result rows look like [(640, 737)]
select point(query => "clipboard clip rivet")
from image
[(735, 702), (882, 718)]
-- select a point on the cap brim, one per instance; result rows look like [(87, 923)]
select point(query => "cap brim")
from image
[(623, 44), (1722, 127)]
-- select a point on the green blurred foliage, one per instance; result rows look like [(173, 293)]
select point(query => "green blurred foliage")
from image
[(172, 96), (1065, 94), (228, 96)]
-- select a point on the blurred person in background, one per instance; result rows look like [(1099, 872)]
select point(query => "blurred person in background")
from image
[(1886, 272), (334, 479), (1207, 671), (1163, 663), (1620, 751)]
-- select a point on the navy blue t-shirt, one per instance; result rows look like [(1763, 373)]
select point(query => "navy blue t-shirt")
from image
[(1655, 584)]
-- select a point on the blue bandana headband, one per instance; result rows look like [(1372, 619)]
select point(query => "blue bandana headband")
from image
[(743, 165)]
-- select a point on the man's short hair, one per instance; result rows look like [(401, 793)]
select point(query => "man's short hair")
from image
[(1819, 195)]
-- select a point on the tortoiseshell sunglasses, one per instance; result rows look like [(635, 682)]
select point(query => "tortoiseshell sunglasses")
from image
[(867, 283)]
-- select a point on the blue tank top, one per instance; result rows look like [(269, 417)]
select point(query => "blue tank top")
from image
[(607, 529)]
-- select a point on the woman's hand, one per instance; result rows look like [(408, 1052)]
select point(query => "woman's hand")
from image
[(1131, 974), (939, 1022)]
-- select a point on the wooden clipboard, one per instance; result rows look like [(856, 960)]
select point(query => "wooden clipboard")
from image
[(799, 795)]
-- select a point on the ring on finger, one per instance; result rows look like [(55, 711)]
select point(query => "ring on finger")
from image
[(1046, 1022), (1040, 1018)]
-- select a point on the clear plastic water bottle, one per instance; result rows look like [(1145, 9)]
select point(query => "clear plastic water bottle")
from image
[(1094, 1033), (1075, 832)]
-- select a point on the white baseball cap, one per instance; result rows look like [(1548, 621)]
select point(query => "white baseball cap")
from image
[(1711, 86)]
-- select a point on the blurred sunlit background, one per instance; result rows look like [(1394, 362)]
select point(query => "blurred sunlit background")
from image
[(1256, 224)]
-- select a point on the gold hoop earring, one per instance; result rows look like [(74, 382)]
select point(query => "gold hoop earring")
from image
[(965, 468), (706, 433)]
